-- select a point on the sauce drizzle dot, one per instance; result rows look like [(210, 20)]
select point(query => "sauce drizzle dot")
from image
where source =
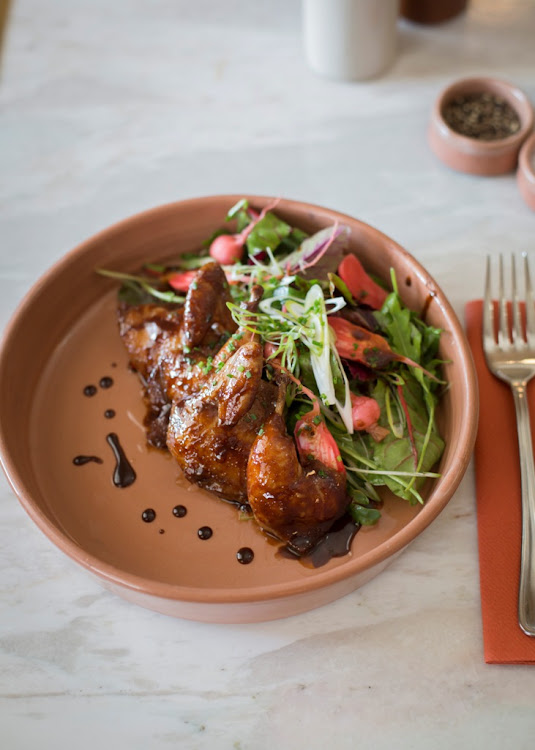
[(245, 555), (179, 511), (109, 413), (81, 460), (205, 532), (123, 475), (148, 515), (106, 382), (90, 390)]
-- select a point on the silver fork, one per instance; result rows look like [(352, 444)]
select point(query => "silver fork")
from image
[(512, 359)]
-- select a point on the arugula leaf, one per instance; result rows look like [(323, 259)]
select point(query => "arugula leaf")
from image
[(363, 515), (292, 242), (407, 333), (191, 261), (430, 342), (146, 287), (268, 232), (395, 320), (395, 453), (131, 293)]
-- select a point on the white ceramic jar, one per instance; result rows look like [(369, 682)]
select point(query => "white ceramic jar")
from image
[(350, 39)]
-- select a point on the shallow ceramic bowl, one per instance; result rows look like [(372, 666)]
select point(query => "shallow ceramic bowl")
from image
[(486, 158), (525, 174), (64, 337)]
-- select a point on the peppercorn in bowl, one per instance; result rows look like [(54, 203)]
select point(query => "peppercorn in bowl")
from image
[(479, 124)]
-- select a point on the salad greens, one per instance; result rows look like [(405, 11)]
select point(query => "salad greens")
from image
[(337, 351)]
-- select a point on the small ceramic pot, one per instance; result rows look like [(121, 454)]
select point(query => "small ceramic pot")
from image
[(431, 11), (525, 174), (471, 155)]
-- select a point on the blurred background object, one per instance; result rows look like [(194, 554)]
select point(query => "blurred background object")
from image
[(4, 13), (431, 11), (350, 39)]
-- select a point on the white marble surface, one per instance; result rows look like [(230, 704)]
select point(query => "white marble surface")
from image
[(107, 108)]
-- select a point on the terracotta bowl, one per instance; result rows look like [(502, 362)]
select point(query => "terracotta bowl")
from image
[(525, 174), (474, 156), (64, 338)]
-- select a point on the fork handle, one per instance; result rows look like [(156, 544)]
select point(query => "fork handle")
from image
[(526, 591)]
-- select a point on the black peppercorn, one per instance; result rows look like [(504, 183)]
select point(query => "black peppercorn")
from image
[(484, 116)]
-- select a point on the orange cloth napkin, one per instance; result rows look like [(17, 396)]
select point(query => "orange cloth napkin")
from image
[(498, 508)]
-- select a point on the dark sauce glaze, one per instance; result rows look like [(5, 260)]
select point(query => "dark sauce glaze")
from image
[(90, 390), (123, 475), (205, 532), (106, 382), (82, 460), (109, 413), (179, 511), (336, 543), (148, 515), (245, 555)]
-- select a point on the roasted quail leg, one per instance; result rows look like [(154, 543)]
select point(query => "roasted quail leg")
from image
[(169, 347), (297, 503), (210, 433)]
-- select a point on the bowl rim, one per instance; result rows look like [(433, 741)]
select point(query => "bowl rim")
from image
[(462, 450), (526, 166)]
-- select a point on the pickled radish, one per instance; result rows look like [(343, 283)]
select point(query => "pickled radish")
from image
[(314, 441), (181, 280), (362, 287), (227, 249), (365, 411)]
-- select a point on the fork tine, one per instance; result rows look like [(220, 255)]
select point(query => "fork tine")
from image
[(530, 304), (488, 311), (503, 330), (518, 332)]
